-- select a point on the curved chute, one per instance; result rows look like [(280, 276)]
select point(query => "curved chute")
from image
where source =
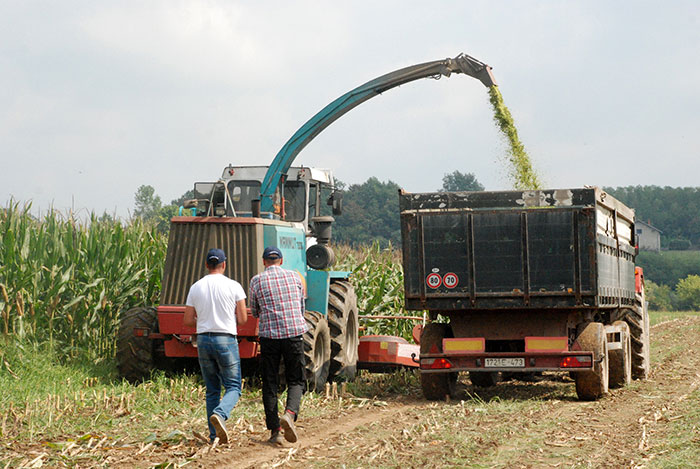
[(326, 116)]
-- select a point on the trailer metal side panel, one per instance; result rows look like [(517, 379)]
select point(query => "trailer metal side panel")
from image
[(483, 250)]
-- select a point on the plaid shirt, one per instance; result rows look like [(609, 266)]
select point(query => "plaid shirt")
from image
[(277, 299)]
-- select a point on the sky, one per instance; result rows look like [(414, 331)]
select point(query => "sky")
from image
[(99, 98)]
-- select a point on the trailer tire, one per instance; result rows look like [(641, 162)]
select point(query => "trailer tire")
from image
[(592, 385), (136, 356), (638, 320), (343, 323), (436, 385), (484, 379), (620, 361), (317, 351)]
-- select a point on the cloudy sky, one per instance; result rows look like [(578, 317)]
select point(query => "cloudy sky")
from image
[(98, 98)]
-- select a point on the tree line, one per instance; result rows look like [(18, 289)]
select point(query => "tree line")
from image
[(673, 210)]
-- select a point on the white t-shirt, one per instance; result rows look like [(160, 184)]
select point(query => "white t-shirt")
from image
[(214, 297)]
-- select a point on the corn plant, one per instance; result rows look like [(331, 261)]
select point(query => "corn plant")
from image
[(65, 281), (377, 275)]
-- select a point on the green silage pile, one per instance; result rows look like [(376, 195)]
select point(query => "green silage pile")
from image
[(522, 173)]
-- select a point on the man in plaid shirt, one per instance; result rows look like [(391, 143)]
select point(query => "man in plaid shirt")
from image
[(277, 300)]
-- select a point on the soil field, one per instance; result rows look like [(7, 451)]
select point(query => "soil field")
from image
[(654, 423)]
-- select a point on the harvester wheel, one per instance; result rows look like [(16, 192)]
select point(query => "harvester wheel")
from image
[(436, 385), (483, 379), (344, 328), (136, 356), (592, 385), (317, 351), (620, 361), (638, 320)]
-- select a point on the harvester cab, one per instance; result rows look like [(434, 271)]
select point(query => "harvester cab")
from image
[(303, 195)]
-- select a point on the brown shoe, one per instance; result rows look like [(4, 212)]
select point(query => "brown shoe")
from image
[(220, 428), (290, 432), (276, 438)]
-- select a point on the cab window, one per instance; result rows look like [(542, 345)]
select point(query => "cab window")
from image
[(295, 200), (243, 193)]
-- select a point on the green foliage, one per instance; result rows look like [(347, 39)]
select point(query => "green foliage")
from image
[(668, 267), (674, 210), (65, 282), (150, 209), (147, 203), (370, 213), (522, 172), (377, 275), (660, 297), (679, 244), (688, 290), (457, 181)]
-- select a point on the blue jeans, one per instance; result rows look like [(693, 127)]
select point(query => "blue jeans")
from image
[(221, 366)]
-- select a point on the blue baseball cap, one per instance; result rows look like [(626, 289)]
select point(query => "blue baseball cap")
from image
[(216, 256), (272, 252)]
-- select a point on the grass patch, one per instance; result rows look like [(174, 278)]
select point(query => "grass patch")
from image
[(656, 317), (679, 442)]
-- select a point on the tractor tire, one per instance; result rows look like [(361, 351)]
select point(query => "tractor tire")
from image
[(436, 385), (343, 323), (483, 379), (638, 321), (592, 385), (620, 361), (136, 356), (317, 351)]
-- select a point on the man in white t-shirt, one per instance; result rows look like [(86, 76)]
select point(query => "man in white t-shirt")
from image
[(216, 306)]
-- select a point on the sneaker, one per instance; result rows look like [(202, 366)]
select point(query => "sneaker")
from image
[(287, 422), (220, 428), (276, 438)]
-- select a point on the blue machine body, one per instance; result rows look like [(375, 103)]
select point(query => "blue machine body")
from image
[(292, 242)]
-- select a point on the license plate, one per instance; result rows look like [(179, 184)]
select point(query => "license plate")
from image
[(504, 363)]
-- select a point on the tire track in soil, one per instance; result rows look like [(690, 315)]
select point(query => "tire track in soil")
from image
[(314, 435), (617, 431)]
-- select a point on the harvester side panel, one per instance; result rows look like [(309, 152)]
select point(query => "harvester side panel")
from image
[(191, 238)]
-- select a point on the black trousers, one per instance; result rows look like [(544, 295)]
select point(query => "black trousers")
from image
[(290, 350)]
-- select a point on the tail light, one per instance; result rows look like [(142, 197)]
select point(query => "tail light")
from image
[(576, 361)]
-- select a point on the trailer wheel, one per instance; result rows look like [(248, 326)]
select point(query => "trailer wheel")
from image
[(317, 351), (136, 356), (344, 329), (483, 379), (436, 385), (620, 361), (638, 320), (591, 385)]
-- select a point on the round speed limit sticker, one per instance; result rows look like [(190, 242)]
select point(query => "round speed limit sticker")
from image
[(433, 280), (451, 280)]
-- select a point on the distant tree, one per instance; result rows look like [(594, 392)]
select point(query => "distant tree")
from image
[(370, 213), (674, 210), (660, 297), (688, 290), (147, 203), (457, 181), (181, 200)]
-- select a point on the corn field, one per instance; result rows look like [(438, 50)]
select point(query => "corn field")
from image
[(65, 281)]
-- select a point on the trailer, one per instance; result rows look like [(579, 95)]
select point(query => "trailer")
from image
[(526, 281)]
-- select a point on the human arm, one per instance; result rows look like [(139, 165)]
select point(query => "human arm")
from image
[(190, 318), (241, 312)]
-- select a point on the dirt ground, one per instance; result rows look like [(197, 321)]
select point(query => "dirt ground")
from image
[(545, 426)]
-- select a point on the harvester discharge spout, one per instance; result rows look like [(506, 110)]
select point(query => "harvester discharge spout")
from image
[(474, 68), (463, 63)]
